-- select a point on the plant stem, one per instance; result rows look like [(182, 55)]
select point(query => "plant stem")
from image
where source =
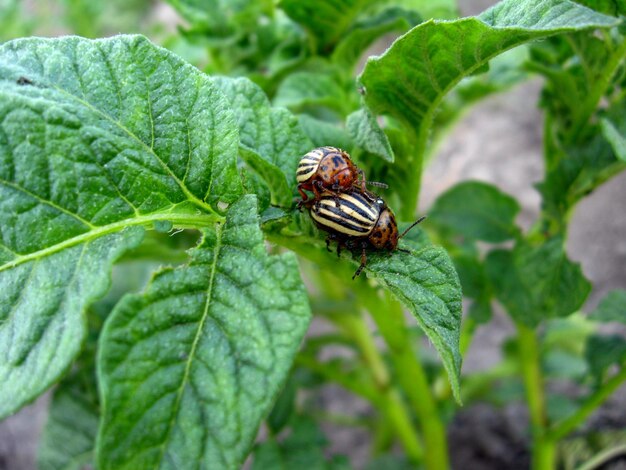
[(388, 316), (603, 457), (543, 449), (566, 426), (393, 404), (412, 193)]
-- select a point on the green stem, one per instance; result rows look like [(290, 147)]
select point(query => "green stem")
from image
[(397, 413), (179, 220), (543, 449), (597, 460), (597, 91), (356, 326), (388, 316), (566, 426), (414, 181), (394, 406)]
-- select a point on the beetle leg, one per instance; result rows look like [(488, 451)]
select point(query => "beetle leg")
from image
[(317, 185), (339, 246), (362, 176), (328, 240), (305, 196), (363, 263)]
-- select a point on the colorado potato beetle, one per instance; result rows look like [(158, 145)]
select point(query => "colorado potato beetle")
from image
[(360, 220), (328, 169)]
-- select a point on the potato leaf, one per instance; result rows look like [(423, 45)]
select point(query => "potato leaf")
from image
[(97, 139), (189, 368), (411, 78), (477, 210), (537, 282)]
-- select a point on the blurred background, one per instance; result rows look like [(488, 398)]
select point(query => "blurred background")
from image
[(498, 141)]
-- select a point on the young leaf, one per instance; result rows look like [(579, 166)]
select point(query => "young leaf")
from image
[(97, 139), (271, 139), (536, 283), (368, 135), (190, 368), (611, 308), (477, 210), (410, 79)]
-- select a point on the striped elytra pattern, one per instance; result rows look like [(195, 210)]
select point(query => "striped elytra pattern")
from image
[(352, 214)]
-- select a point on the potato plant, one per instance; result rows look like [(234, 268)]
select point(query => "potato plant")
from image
[(152, 257)]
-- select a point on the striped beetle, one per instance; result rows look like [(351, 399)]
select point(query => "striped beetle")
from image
[(329, 169), (358, 220)]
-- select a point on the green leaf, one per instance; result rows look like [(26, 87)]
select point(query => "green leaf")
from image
[(70, 433), (69, 436), (283, 407), (537, 282), (564, 365), (504, 72), (271, 140), (325, 20), (437, 9), (604, 351), (410, 79), (475, 285), (98, 138), (610, 7), (584, 168), (612, 308), (615, 138), (477, 210), (367, 134), (302, 448), (305, 89), (363, 33), (324, 133), (426, 282), (222, 18), (189, 368)]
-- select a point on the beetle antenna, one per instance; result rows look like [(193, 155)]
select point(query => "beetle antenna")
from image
[(412, 225), (377, 184)]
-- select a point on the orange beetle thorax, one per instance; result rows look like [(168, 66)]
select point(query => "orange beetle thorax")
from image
[(337, 169)]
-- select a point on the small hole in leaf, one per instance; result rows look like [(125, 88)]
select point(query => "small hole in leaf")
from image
[(221, 205)]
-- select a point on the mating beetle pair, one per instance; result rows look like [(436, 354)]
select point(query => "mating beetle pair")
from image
[(353, 216)]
